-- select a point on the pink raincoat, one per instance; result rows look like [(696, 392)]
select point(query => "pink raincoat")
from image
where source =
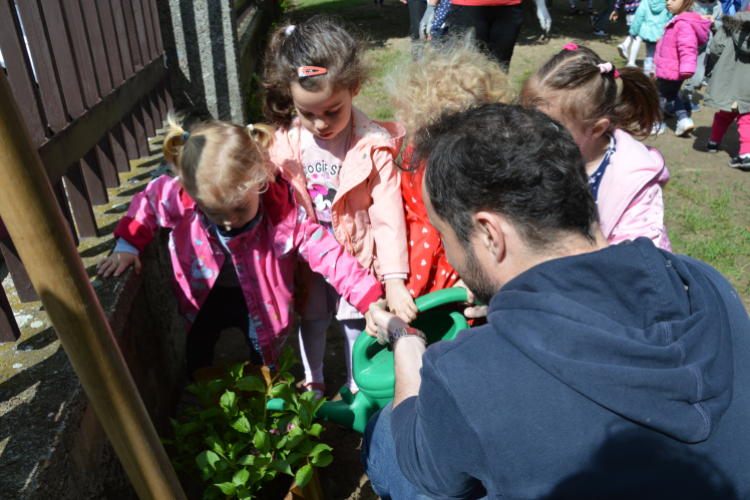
[(630, 201), (677, 50), (263, 256), (367, 213)]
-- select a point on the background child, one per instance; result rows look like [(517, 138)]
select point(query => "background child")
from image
[(630, 7), (236, 230), (710, 10), (729, 90), (341, 165), (677, 56), (651, 17), (578, 89), (449, 79)]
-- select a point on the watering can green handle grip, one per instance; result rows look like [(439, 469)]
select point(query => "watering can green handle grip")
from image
[(441, 298)]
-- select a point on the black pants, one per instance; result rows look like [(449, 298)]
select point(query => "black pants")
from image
[(498, 27), (416, 11), (225, 307)]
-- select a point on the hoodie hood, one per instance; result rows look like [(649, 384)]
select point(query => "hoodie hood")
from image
[(702, 27), (657, 6), (738, 28), (639, 331)]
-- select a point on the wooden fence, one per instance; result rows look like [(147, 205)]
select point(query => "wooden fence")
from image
[(93, 90)]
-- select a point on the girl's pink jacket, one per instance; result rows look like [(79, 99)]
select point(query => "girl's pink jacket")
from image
[(630, 198), (677, 50), (263, 256), (367, 213)]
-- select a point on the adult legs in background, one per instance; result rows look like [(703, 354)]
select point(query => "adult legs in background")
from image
[(225, 307), (601, 19), (498, 27), (416, 11)]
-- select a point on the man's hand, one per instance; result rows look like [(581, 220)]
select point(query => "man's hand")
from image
[(117, 263), (400, 301), (473, 311)]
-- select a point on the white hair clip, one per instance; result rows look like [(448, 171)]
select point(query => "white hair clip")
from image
[(289, 29), (251, 127), (556, 127)]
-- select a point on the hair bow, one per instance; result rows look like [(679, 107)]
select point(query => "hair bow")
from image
[(570, 46)]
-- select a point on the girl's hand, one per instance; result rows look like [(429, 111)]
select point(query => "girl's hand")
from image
[(117, 263), (614, 15), (400, 301), (473, 311)]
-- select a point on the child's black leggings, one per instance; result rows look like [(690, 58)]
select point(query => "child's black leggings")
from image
[(225, 307)]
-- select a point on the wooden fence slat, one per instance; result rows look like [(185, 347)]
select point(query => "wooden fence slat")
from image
[(41, 55), (155, 110), (168, 94), (110, 42), (122, 38), (9, 331), (157, 28), (93, 178), (62, 200), (148, 22), (132, 34), (148, 118), (80, 46), (139, 127), (106, 160), (119, 149), (94, 29), (63, 58), (162, 102), (21, 280), (20, 73), (140, 30), (80, 204), (128, 134)]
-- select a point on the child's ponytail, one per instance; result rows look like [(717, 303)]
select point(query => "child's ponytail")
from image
[(262, 135), (175, 139), (637, 107)]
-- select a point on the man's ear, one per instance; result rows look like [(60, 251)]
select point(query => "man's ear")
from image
[(490, 234)]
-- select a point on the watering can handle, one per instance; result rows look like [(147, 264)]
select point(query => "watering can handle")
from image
[(441, 298)]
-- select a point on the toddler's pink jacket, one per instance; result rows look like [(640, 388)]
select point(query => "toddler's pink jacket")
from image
[(263, 256), (677, 50), (630, 198), (372, 231)]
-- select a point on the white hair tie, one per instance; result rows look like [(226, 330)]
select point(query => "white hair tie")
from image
[(251, 127), (289, 29)]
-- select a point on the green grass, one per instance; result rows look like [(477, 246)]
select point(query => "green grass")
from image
[(313, 6), (710, 225), (384, 113)]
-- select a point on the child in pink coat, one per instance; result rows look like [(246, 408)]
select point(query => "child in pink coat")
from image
[(677, 55), (235, 232), (341, 165), (578, 89)]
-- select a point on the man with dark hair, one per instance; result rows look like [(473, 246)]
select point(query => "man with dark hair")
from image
[(603, 371)]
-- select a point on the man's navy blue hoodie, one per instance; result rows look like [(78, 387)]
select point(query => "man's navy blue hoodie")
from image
[(622, 373)]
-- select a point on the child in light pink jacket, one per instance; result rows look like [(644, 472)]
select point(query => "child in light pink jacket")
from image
[(236, 230), (676, 58), (341, 165), (579, 89)]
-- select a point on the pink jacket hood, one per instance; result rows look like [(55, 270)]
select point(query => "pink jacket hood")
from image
[(677, 51), (263, 256), (630, 198), (368, 212)]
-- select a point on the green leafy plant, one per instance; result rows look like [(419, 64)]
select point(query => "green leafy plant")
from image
[(253, 99), (234, 444)]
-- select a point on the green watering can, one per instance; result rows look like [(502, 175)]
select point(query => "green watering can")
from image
[(372, 363)]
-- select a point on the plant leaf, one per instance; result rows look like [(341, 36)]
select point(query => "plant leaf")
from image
[(241, 424), (322, 459), (282, 466), (285, 392), (241, 476), (288, 377), (319, 448), (214, 442), (294, 438), (243, 493), (261, 441), (229, 404), (228, 488), (207, 459), (236, 449), (217, 385), (293, 458), (211, 492), (315, 430), (249, 384), (306, 412), (303, 476), (246, 460), (235, 371), (308, 396), (210, 413)]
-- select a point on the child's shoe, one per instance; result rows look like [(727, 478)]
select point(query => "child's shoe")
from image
[(659, 129), (741, 162), (631, 65), (712, 147), (692, 107), (684, 127), (623, 50), (601, 33)]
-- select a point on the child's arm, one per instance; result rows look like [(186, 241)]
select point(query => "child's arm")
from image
[(147, 212), (640, 12), (687, 50), (644, 217), (325, 255), (389, 231)]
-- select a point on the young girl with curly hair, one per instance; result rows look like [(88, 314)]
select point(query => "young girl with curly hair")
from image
[(442, 80), (579, 89), (341, 165), (236, 230)]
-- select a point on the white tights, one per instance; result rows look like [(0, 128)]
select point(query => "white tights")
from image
[(636, 41), (312, 343)]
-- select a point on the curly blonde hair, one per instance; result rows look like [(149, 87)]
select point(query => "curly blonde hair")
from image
[(447, 78), (219, 162)]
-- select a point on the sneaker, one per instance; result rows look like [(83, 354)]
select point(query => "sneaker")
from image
[(684, 127), (712, 147), (741, 162), (573, 10), (693, 107), (601, 33), (669, 109), (659, 129), (631, 65), (623, 50)]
